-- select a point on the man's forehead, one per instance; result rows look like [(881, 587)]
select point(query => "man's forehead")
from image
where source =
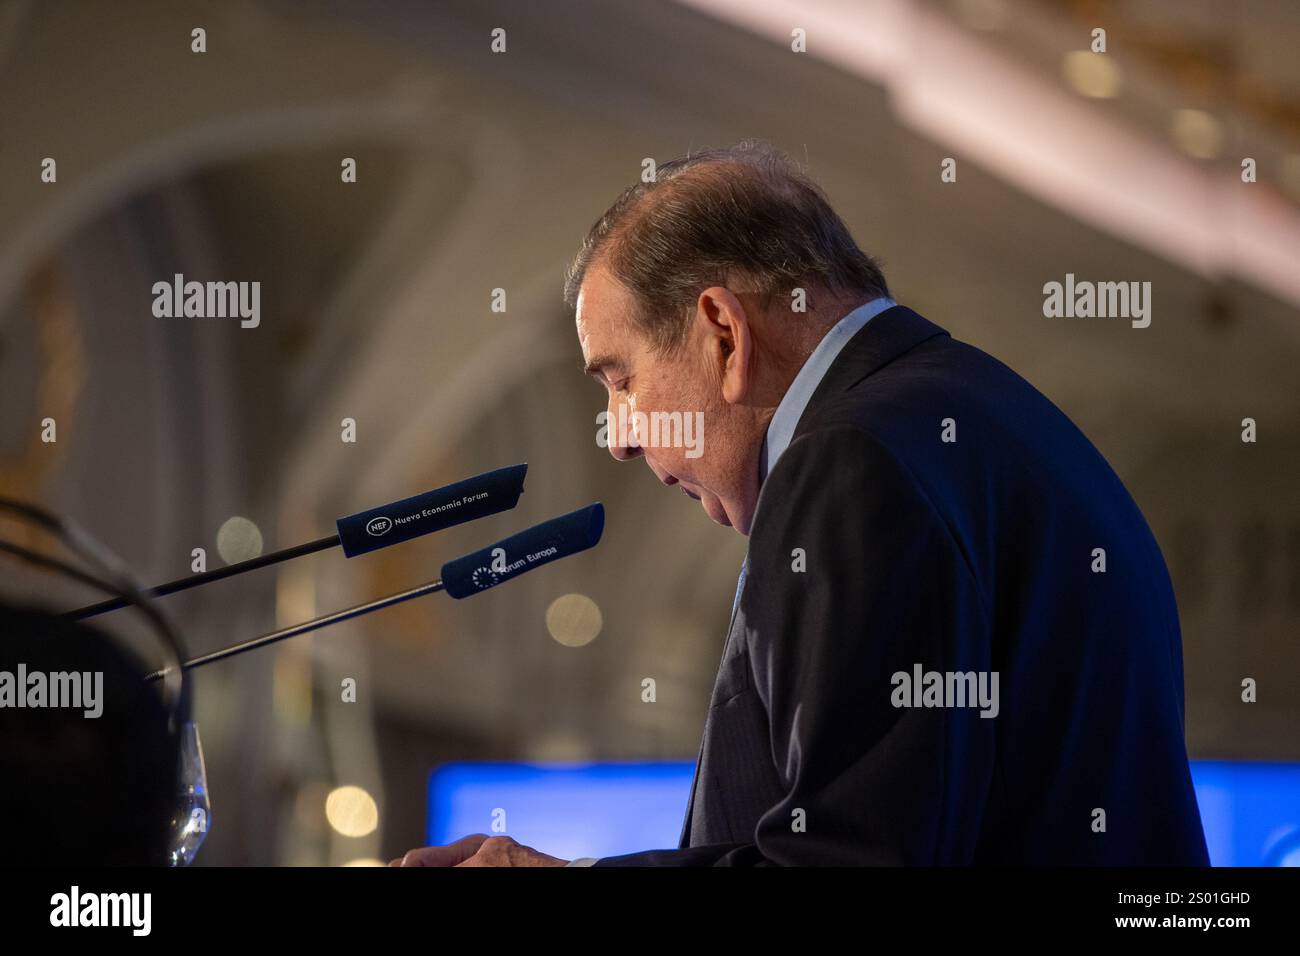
[(601, 351), (600, 317), (597, 294)]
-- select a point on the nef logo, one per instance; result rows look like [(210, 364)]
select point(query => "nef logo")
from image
[(378, 526)]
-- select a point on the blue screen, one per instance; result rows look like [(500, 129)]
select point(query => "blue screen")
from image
[(566, 810), (1251, 811)]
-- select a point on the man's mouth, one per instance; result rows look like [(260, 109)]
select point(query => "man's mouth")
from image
[(669, 480)]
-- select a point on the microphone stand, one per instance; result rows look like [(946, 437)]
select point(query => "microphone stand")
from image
[(461, 577), (432, 587), (193, 581)]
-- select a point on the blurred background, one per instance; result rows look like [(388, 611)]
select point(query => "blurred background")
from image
[(481, 170)]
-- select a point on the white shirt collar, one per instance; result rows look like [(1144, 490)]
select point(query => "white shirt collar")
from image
[(780, 430)]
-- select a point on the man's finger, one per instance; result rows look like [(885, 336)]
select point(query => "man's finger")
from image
[(449, 855)]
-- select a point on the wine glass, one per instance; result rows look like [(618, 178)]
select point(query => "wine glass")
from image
[(193, 816)]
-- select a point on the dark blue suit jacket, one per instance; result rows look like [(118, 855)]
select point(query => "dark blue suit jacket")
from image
[(969, 556)]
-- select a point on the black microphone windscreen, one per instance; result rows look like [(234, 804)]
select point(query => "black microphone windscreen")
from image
[(541, 544), (462, 501)]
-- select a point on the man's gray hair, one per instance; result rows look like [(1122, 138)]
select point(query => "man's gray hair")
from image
[(744, 217)]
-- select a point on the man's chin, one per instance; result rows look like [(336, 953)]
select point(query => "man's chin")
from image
[(717, 511)]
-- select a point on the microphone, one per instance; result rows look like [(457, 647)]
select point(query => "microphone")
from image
[(540, 544), (451, 505), (461, 577), (369, 530)]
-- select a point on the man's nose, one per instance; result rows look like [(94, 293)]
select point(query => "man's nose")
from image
[(622, 436)]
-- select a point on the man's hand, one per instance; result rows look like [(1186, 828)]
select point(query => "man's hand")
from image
[(478, 850)]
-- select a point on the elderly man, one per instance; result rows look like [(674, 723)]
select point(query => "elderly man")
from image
[(954, 639)]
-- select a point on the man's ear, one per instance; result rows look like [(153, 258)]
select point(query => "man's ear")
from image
[(728, 340)]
